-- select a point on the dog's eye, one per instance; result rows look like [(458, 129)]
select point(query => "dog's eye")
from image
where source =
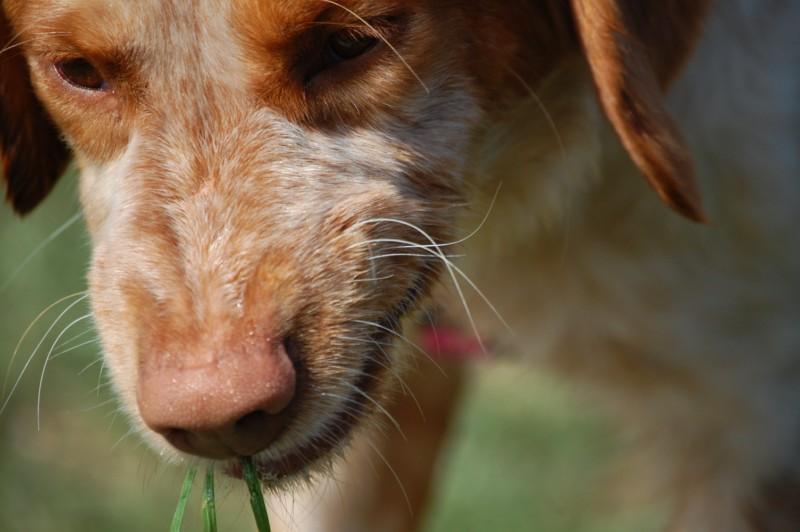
[(347, 52), (82, 74), (346, 45)]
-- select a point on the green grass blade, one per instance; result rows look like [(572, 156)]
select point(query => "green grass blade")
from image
[(256, 495), (180, 510), (209, 505)]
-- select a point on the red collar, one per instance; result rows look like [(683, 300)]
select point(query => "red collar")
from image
[(451, 344)]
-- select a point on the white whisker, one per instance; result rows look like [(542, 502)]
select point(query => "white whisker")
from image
[(394, 473), (448, 265), (36, 349), (47, 361), (456, 269), (73, 348), (100, 373), (406, 340), (100, 404), (403, 384), (374, 279), (28, 330), (78, 336), (123, 438), (90, 365), (418, 255)]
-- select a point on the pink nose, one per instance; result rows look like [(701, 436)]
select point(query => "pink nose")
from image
[(230, 405)]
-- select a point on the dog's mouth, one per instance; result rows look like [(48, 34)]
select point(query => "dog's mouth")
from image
[(335, 431), (338, 428)]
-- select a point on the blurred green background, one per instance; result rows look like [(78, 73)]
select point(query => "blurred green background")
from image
[(523, 455)]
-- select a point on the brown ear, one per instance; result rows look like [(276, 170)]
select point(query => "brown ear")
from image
[(32, 153), (634, 48)]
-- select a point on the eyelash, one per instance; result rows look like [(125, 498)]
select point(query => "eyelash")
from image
[(81, 74), (339, 48), (336, 47)]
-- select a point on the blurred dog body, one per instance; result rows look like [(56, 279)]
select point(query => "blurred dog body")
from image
[(302, 188)]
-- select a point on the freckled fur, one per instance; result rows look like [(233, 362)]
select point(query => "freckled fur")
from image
[(225, 201)]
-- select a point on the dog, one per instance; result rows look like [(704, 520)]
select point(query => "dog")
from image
[(275, 189)]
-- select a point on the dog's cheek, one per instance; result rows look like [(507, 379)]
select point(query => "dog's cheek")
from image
[(102, 185), (99, 192), (113, 327), (115, 318)]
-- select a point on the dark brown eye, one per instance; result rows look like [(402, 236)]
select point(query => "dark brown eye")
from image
[(347, 44), (82, 74)]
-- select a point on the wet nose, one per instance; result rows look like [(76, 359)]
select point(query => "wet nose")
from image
[(233, 404)]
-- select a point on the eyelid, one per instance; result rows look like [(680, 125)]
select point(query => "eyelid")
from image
[(381, 28), (59, 67)]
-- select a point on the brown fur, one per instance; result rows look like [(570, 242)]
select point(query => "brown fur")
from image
[(243, 195), (634, 48)]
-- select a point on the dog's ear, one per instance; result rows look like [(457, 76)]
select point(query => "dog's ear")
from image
[(32, 153), (634, 49)]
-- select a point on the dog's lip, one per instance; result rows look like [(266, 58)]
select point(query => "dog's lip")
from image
[(336, 430), (339, 427)]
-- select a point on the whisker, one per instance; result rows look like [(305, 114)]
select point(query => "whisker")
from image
[(100, 405), (374, 279), (484, 298), (364, 341), (28, 330), (114, 416), (100, 373), (456, 269), (425, 256), (559, 140), (448, 266), (90, 365), (481, 224), (466, 238), (432, 323), (73, 348), (394, 473), (47, 361), (35, 350), (78, 336), (11, 45), (122, 438), (403, 384), (405, 339), (100, 387)]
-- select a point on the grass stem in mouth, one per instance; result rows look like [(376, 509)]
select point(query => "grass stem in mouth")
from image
[(180, 510), (209, 506), (256, 495)]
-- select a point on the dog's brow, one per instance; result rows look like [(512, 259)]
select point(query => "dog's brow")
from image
[(95, 31)]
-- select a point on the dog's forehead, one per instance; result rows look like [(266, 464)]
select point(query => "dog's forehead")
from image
[(226, 41), (153, 21)]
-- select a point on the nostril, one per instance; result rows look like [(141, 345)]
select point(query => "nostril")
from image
[(179, 438), (253, 421), (292, 348), (258, 429)]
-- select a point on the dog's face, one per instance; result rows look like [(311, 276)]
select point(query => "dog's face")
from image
[(265, 183)]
